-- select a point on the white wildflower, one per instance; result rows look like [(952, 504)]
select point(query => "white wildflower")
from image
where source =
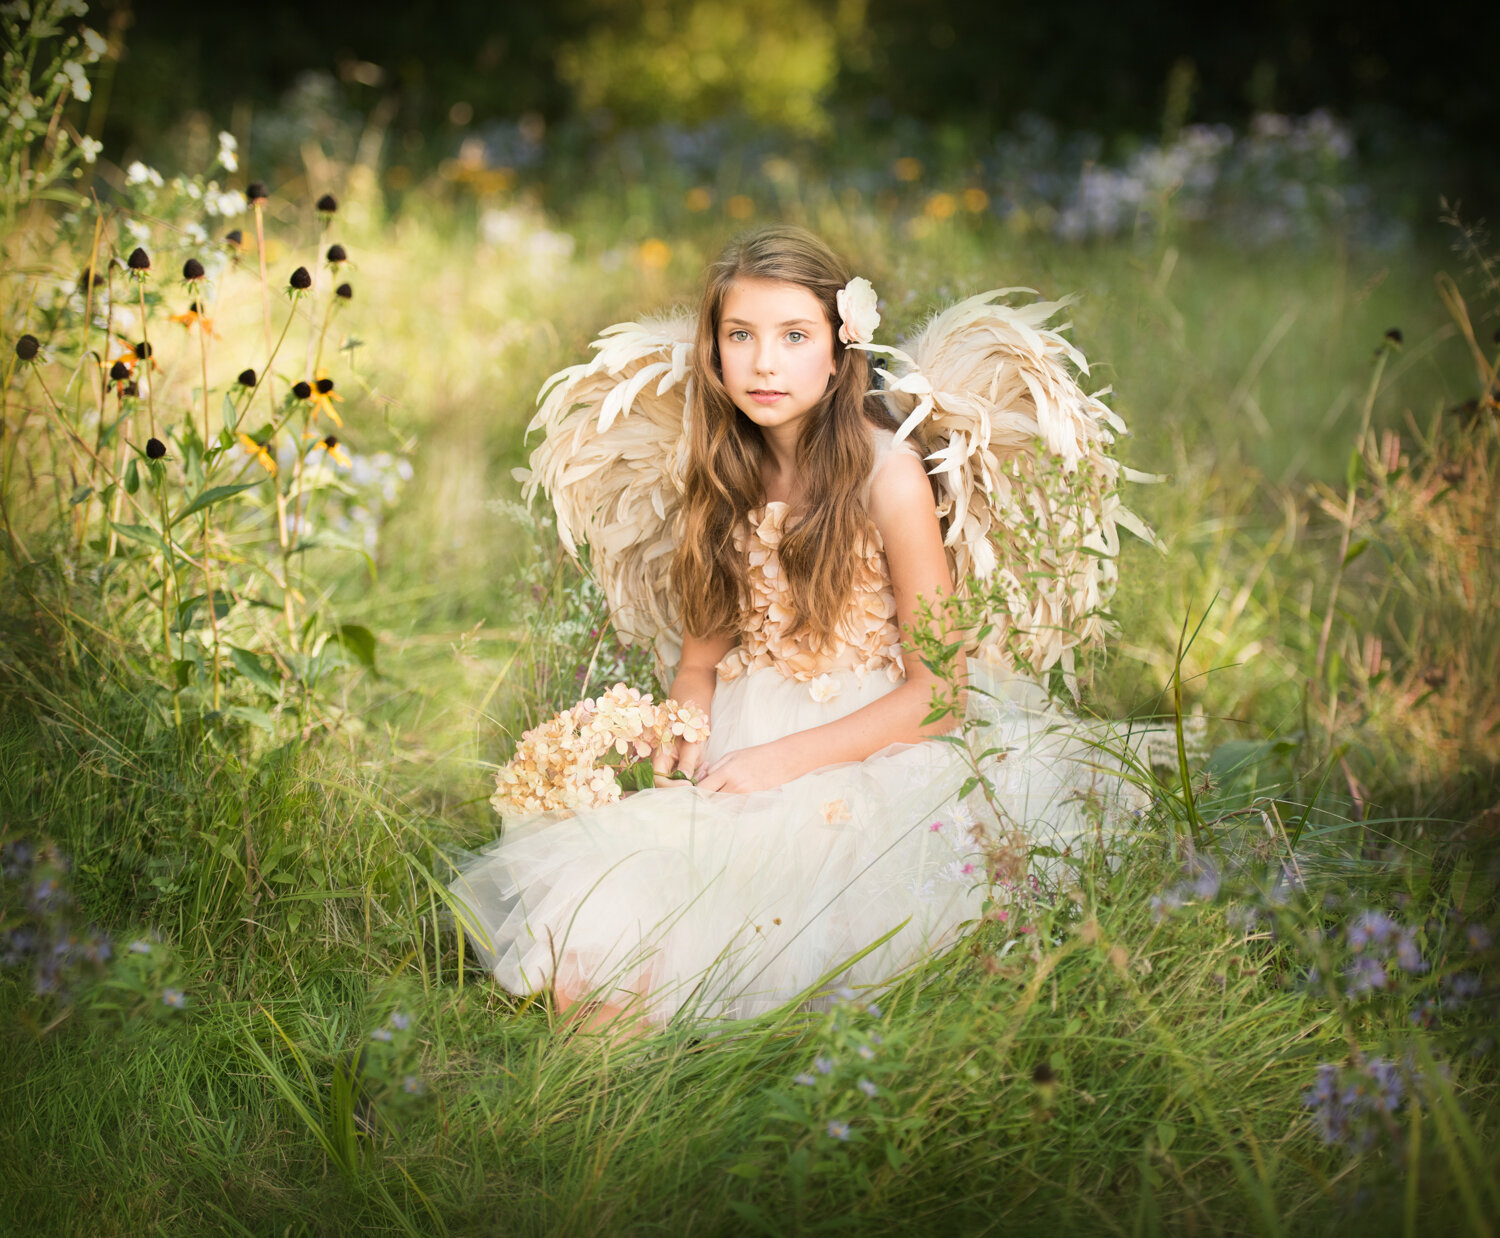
[(72, 77), (90, 149), (139, 233), (228, 144), (94, 45), (229, 203)]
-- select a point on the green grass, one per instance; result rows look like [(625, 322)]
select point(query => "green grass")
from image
[(1116, 1071)]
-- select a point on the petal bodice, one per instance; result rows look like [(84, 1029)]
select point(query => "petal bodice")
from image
[(865, 639)]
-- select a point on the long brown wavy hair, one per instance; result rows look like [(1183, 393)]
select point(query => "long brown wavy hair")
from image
[(724, 481)]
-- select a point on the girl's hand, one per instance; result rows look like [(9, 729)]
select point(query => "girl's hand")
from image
[(678, 756), (751, 769)]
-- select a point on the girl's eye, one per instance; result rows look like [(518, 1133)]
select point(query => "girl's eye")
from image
[(739, 337), (796, 337)]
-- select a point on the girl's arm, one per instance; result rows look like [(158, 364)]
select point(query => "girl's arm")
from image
[(901, 507), (695, 682)]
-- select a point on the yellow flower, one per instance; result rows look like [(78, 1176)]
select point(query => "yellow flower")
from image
[(330, 444), (323, 397), (258, 450), (194, 314)]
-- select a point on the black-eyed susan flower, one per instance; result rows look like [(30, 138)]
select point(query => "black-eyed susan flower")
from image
[(139, 261), (27, 347), (155, 449), (234, 238), (330, 445), (260, 452), (194, 314), (301, 279), (337, 254), (303, 391), (255, 192), (246, 378), (327, 204), (119, 372), (192, 270), (344, 292), (324, 396)]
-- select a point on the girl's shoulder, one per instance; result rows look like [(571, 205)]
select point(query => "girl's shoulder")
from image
[(886, 450)]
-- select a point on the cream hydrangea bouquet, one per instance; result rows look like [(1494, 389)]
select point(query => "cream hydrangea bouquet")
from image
[(577, 759)]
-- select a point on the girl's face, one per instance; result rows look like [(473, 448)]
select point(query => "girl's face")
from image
[(775, 350)]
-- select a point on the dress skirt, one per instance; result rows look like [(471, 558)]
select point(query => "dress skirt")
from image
[(684, 903)]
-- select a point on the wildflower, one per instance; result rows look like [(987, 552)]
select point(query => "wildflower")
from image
[(936, 827), (823, 1064), (246, 378), (1478, 936), (1366, 975), (866, 1053), (255, 193), (194, 314), (27, 347), (1407, 955), (413, 1085), (258, 450), (868, 1088), (838, 1130), (90, 149), (806, 1079), (1371, 928), (94, 44), (1394, 336), (139, 261), (844, 993), (228, 145), (382, 1034), (874, 1013), (174, 998), (337, 254), (192, 269), (119, 372), (400, 1021), (325, 397), (327, 204), (155, 449), (234, 238), (300, 280), (302, 390), (139, 946), (344, 292)]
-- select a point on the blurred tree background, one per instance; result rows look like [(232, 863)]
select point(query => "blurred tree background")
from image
[(818, 69)]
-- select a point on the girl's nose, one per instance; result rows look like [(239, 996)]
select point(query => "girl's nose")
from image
[(765, 359)]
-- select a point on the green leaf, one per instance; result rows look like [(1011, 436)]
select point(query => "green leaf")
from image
[(80, 495), (214, 494), (182, 673), (1165, 1133), (358, 640), (1356, 550), (142, 533), (231, 413), (330, 540), (252, 668), (1354, 471), (132, 477), (255, 717)]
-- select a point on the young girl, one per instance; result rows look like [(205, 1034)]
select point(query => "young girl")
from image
[(824, 840)]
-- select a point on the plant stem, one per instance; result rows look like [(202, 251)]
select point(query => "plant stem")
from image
[(147, 360)]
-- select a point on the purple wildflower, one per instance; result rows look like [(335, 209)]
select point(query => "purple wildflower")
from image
[(413, 1085), (823, 1064), (868, 1088), (1407, 955), (1479, 937), (866, 1053), (874, 1011), (838, 1130), (1372, 928), (1365, 975), (400, 1021), (805, 1080), (383, 1034), (174, 998)]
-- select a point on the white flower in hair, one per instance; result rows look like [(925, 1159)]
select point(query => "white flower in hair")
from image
[(856, 301)]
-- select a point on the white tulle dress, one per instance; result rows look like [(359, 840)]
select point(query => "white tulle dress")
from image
[(695, 904)]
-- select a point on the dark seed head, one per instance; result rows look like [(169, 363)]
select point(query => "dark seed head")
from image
[(302, 391), (344, 291), (194, 307), (336, 253), (255, 191), (324, 385), (327, 204), (234, 237), (132, 389), (27, 346), (1394, 336), (246, 378), (119, 372), (331, 441), (192, 269), (139, 260), (1042, 1074), (301, 280), (143, 350), (83, 280), (155, 449)]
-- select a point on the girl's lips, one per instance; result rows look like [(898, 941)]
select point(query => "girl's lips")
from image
[(766, 397)]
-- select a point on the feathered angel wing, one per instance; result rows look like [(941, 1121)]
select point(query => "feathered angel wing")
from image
[(1021, 457), (612, 457)]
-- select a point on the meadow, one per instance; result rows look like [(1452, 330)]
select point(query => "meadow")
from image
[(233, 999)]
